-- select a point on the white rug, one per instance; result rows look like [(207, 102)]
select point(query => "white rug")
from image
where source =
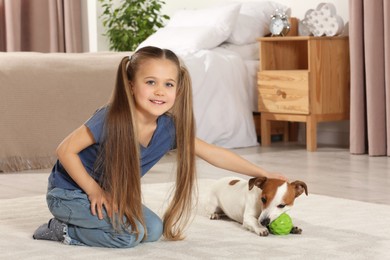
[(332, 229)]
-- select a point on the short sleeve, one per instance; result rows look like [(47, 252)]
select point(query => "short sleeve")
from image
[(96, 124)]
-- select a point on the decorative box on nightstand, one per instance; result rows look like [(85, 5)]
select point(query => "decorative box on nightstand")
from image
[(303, 79)]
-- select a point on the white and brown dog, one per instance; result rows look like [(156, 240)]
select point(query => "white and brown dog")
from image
[(254, 203)]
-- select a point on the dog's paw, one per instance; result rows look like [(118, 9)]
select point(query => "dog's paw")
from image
[(262, 231), (215, 216), (296, 231)]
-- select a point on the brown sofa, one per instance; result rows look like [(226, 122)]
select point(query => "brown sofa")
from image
[(43, 97)]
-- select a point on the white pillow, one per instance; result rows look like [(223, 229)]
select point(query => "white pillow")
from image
[(253, 21), (192, 30), (222, 18), (184, 40)]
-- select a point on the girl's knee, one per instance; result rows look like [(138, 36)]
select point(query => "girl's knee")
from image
[(153, 224), (127, 241), (135, 238), (155, 230)]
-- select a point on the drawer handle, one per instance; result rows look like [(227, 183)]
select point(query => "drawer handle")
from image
[(281, 93)]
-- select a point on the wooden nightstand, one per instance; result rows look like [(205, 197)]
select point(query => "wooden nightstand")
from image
[(303, 79)]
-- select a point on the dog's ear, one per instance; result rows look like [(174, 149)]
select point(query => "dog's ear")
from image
[(257, 181), (300, 187)]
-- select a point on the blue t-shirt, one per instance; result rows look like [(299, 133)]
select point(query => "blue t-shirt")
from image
[(163, 140)]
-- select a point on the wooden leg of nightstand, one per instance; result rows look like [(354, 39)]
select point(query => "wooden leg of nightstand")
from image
[(311, 133), (265, 130)]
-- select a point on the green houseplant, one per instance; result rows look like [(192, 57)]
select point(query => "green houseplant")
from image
[(129, 22)]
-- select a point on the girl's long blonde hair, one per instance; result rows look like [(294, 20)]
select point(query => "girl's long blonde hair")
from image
[(121, 155)]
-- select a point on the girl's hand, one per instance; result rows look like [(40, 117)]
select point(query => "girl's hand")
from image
[(275, 175), (99, 199)]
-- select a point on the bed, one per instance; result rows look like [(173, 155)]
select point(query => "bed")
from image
[(218, 46)]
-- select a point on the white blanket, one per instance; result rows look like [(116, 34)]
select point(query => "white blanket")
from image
[(222, 98)]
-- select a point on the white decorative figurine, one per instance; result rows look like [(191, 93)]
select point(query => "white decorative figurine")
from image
[(322, 21)]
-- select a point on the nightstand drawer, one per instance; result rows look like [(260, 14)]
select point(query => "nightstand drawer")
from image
[(284, 91)]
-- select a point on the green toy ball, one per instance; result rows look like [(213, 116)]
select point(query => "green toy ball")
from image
[(282, 225)]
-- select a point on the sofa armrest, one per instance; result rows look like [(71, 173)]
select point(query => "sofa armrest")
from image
[(44, 97)]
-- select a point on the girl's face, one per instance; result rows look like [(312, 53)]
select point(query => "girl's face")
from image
[(154, 87)]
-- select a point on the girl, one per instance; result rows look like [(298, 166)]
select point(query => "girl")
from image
[(94, 190)]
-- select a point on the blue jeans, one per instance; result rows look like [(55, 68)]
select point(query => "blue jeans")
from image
[(73, 208)]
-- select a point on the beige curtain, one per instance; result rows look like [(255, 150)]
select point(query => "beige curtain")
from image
[(370, 77), (40, 25)]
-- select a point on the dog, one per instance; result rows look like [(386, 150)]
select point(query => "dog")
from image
[(254, 203)]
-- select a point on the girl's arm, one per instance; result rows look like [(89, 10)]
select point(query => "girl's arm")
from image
[(67, 153), (225, 159)]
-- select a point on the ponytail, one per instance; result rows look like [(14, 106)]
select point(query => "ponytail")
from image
[(122, 156), (179, 210)]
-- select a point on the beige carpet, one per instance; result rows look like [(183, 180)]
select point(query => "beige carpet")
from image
[(332, 229)]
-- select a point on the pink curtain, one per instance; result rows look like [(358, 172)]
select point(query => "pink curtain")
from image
[(370, 77), (40, 25)]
